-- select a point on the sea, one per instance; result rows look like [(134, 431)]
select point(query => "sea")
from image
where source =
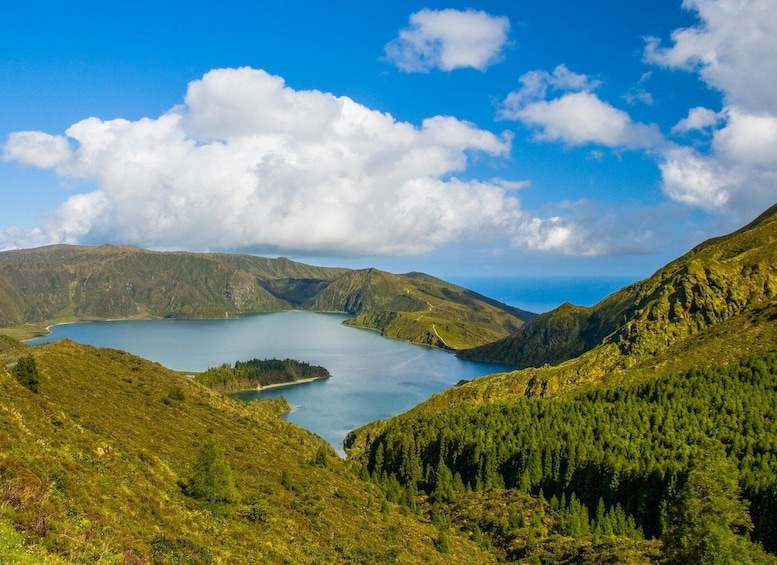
[(372, 377)]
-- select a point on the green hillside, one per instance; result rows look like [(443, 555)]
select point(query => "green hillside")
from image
[(118, 460), (64, 283), (109, 282), (648, 415), (419, 308), (718, 280)]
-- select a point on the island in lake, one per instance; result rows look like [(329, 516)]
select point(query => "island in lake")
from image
[(258, 374)]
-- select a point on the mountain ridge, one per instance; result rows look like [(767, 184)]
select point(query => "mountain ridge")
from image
[(66, 283)]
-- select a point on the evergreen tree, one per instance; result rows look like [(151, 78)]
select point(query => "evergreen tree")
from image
[(708, 518), (212, 479), (26, 372)]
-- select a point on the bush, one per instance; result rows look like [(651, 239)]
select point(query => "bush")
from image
[(26, 372)]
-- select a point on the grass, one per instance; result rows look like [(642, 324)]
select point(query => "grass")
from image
[(92, 468)]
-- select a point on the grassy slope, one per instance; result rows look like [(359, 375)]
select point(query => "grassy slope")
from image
[(711, 306), (90, 471)]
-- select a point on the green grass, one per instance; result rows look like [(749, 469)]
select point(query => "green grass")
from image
[(93, 468)]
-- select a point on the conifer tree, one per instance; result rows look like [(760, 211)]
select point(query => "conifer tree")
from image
[(707, 519), (26, 372), (212, 479)]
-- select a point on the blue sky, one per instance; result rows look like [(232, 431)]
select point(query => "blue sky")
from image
[(460, 139)]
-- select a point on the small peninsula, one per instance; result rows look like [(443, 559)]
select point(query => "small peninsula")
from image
[(260, 373)]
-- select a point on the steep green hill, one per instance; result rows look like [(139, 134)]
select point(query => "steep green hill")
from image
[(718, 280), (61, 282), (419, 308), (662, 374), (110, 282), (119, 460), (627, 449)]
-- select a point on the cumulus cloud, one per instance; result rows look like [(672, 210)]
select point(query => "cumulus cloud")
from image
[(691, 178), (581, 117), (733, 48), (587, 228), (748, 140), (576, 115), (699, 118), (250, 163), (37, 149), (449, 39)]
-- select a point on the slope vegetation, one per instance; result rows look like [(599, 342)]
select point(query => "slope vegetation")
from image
[(659, 409), (118, 460), (419, 308)]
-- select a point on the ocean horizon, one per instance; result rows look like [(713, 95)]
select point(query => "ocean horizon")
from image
[(540, 294)]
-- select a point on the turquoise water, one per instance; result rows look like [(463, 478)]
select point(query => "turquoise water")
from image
[(371, 377)]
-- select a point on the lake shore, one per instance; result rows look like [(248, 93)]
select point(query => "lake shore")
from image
[(260, 388)]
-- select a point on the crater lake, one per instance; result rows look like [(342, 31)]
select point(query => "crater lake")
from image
[(372, 377)]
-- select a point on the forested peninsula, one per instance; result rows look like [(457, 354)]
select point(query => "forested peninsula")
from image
[(260, 373)]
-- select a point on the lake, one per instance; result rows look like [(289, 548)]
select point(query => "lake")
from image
[(372, 377)]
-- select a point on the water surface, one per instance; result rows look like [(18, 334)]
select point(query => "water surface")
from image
[(371, 377)]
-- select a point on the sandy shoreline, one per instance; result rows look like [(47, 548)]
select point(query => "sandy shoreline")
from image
[(290, 383)]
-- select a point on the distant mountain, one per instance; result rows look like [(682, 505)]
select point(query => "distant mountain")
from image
[(62, 283), (418, 308), (720, 280)]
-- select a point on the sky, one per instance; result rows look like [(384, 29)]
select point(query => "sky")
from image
[(491, 138)]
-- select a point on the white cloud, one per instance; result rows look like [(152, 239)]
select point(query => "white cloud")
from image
[(734, 49), (36, 149), (556, 234), (535, 86), (638, 93), (581, 118), (449, 39), (249, 163), (577, 117), (748, 140), (693, 179), (699, 118), (587, 228)]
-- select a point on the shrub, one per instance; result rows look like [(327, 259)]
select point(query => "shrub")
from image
[(26, 372)]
